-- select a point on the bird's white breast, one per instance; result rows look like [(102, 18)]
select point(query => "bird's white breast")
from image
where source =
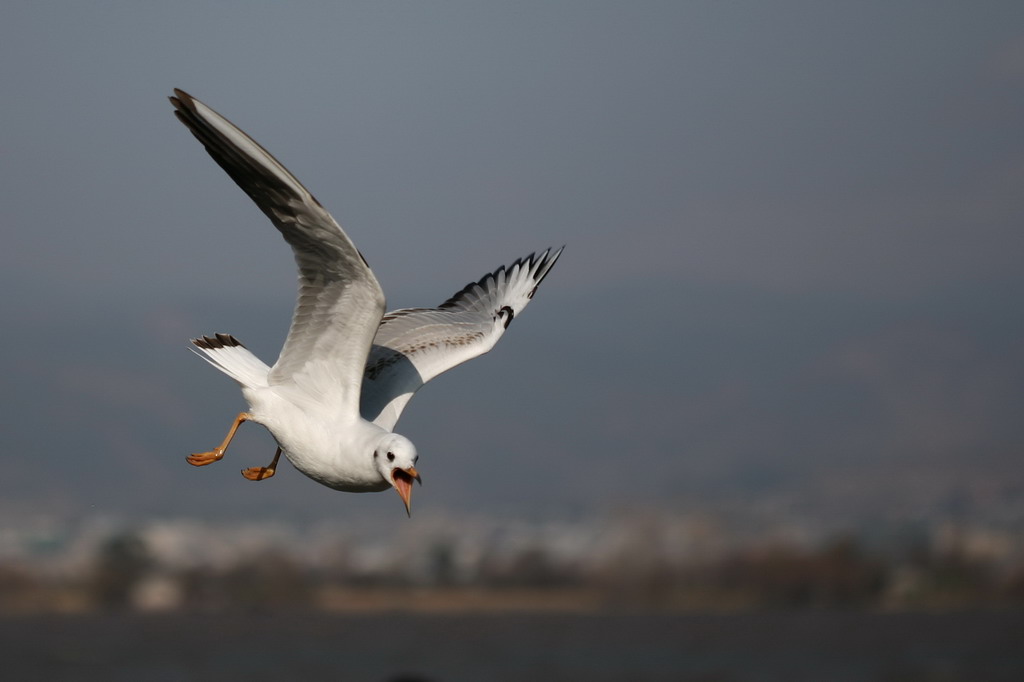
[(335, 450)]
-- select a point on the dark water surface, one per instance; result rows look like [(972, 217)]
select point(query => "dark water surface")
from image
[(807, 645)]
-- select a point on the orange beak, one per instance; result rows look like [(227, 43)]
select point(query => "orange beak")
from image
[(402, 479)]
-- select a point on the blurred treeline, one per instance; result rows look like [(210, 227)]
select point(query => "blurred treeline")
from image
[(839, 573)]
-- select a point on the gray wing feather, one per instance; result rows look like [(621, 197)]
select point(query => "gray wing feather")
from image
[(340, 302)]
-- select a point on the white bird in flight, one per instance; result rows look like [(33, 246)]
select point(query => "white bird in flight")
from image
[(346, 370)]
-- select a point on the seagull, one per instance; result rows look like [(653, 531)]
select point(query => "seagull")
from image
[(347, 369)]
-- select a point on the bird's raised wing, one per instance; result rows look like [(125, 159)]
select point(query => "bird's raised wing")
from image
[(340, 302), (414, 345)]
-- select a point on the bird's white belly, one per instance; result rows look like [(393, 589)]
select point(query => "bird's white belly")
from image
[(344, 482), (334, 452)]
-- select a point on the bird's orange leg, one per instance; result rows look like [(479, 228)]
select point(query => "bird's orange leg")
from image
[(200, 459), (260, 473)]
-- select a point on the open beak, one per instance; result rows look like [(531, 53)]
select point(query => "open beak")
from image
[(402, 480)]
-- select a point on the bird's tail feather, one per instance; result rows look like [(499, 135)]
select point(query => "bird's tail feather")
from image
[(227, 354)]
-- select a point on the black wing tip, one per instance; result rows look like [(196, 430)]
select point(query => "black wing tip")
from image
[(216, 341), (547, 261), (185, 110), (182, 101), (539, 265)]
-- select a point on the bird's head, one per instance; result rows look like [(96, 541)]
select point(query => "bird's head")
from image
[(395, 458)]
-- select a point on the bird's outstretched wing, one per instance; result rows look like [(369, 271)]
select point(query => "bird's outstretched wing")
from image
[(340, 302), (414, 345)]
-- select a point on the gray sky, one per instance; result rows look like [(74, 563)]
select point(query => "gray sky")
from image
[(794, 233)]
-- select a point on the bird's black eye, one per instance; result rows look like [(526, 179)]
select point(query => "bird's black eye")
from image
[(391, 457)]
